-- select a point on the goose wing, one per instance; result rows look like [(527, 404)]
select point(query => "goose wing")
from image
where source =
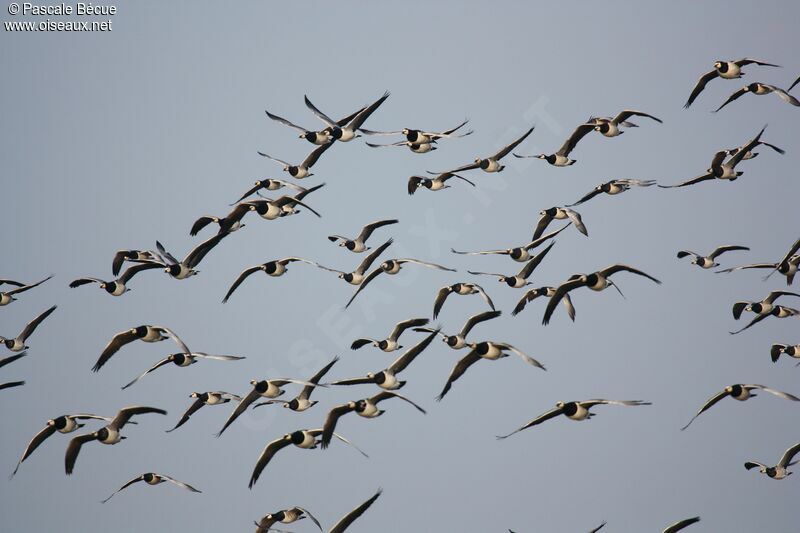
[(404, 325), (320, 115), (138, 267), (241, 407), (372, 275), (570, 144), (710, 403), (124, 415), (733, 97), (677, 526), (527, 358), (404, 360), (561, 291), (28, 287), (196, 406), (385, 395), (788, 455), (699, 86), (313, 382), (37, 439), (199, 252), (505, 151), (367, 230), (312, 158), (613, 269), (531, 265), (552, 413), (285, 122), (367, 262), (331, 420), (33, 324), (458, 370), (722, 249), (125, 486), (353, 515), (74, 448), (242, 276), (117, 341), (622, 116), (266, 456)]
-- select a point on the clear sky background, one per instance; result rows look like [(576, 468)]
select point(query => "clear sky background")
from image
[(113, 140)]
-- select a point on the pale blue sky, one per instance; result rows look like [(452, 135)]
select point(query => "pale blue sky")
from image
[(117, 139)]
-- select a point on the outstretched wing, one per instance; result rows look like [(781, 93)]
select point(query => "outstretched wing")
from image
[(505, 151), (458, 370), (266, 456), (536, 421), (351, 517), (699, 86), (243, 276), (710, 403), (331, 420)]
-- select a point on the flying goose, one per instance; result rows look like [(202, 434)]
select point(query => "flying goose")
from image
[(484, 350), (519, 254), (708, 261), (461, 289), (763, 307), (613, 187), (302, 401), (779, 471), (108, 434), (227, 224), (751, 154), (761, 89), (742, 393), (11, 358), (492, 163), (422, 136), (353, 515), (392, 267), (303, 169), (423, 148), (387, 378), (186, 268), (561, 158), (724, 69), (274, 269), (459, 340), (558, 213), (609, 127), (547, 292), (264, 388), (61, 424), (145, 333), (204, 398), (348, 131), (356, 277), (358, 244), (366, 407), (721, 169), (390, 343), (324, 136), (433, 184), (778, 311), (596, 281), (270, 209), (285, 516), (681, 524), (6, 297), (574, 411), (521, 278), (788, 349), (787, 266), (152, 478), (134, 256), (118, 287), (182, 360), (306, 439), (268, 184), (10, 384), (17, 344)]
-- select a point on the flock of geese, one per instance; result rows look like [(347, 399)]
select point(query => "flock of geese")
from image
[(263, 200)]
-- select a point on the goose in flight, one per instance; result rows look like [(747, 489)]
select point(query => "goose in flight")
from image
[(742, 393), (561, 158), (721, 169), (151, 478), (358, 244), (303, 401), (269, 184), (546, 216), (285, 516), (761, 89), (484, 350), (433, 184), (519, 279), (366, 408), (390, 343), (183, 359), (321, 137), (134, 256), (109, 434), (613, 187), (17, 344), (392, 267), (203, 399), (492, 163), (778, 311), (547, 292), (423, 148), (459, 340), (787, 266), (574, 411), (274, 269), (227, 224), (145, 333), (348, 131), (779, 471), (519, 254), (11, 384), (118, 287), (61, 424), (6, 297), (387, 378), (727, 70), (596, 281), (348, 519), (357, 276), (462, 289), (709, 261), (681, 524), (762, 309), (307, 439), (303, 170), (270, 209), (788, 349), (609, 127), (422, 136), (186, 268), (264, 388)]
